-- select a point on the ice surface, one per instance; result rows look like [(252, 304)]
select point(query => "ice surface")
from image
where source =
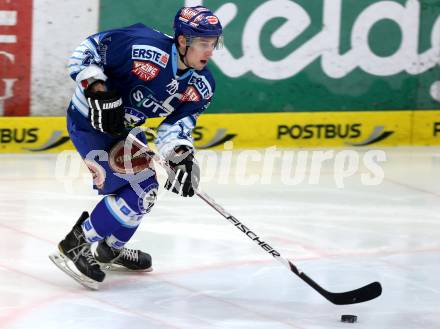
[(209, 275)]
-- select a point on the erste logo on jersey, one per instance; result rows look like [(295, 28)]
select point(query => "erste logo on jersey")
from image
[(202, 85), (145, 70), (190, 95), (150, 53)]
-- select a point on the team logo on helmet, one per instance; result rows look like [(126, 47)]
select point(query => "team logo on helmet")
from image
[(212, 20), (187, 14), (197, 22)]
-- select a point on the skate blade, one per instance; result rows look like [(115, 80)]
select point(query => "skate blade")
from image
[(119, 268), (62, 263)]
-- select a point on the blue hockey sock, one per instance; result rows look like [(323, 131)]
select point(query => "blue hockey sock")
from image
[(120, 214), (90, 232), (109, 215), (119, 238)]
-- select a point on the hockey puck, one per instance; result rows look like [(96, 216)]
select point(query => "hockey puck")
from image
[(348, 318)]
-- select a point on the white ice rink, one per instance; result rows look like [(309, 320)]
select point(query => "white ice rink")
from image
[(207, 274)]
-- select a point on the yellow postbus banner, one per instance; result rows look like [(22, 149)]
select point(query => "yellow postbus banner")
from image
[(258, 130)]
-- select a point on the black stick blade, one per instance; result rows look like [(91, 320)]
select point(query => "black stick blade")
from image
[(366, 293), (363, 294)]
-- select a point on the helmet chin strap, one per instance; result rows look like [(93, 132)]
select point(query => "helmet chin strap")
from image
[(183, 57)]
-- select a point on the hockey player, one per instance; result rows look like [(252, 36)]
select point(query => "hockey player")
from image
[(123, 77)]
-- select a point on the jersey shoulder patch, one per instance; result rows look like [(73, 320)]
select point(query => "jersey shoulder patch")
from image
[(203, 82), (153, 46)]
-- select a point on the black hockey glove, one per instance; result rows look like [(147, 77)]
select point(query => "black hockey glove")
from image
[(185, 176), (106, 112)]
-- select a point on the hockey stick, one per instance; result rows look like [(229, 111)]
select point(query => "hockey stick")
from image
[(363, 294)]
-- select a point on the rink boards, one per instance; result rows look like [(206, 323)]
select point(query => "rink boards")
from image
[(318, 129)]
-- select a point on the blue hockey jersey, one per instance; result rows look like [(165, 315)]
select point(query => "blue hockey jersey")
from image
[(141, 63)]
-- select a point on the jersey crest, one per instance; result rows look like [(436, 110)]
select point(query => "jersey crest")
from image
[(145, 70)]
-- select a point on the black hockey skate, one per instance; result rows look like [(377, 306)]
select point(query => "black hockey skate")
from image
[(122, 259), (75, 249)]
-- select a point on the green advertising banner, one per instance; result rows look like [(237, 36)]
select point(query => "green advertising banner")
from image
[(312, 55)]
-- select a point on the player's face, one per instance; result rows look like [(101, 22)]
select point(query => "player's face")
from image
[(200, 51)]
